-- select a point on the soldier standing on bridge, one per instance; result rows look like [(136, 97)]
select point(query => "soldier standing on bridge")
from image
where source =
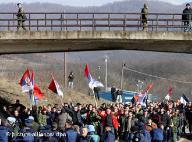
[(21, 17), (144, 14), (187, 17)]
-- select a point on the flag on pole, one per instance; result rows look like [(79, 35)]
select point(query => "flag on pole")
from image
[(92, 82), (170, 92), (87, 73), (54, 86), (95, 83), (148, 88), (167, 97), (25, 82), (184, 100), (37, 92), (32, 80)]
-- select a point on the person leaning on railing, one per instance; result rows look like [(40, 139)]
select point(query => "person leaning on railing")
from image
[(187, 16), (21, 17)]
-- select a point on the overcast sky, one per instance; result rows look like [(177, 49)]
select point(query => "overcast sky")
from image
[(85, 2)]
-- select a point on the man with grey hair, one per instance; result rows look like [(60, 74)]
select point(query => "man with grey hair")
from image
[(21, 17)]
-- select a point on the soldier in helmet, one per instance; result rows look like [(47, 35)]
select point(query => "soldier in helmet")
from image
[(21, 17), (144, 14)]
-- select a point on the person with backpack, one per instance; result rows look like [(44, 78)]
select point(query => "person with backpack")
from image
[(91, 134)]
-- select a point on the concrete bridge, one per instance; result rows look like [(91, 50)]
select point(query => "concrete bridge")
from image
[(97, 31), (58, 41)]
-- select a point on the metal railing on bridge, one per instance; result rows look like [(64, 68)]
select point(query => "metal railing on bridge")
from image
[(93, 21)]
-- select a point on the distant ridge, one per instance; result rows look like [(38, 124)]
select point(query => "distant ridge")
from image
[(121, 6)]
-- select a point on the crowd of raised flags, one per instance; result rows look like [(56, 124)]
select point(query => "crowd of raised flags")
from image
[(29, 86)]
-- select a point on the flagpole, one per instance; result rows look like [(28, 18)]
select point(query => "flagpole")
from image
[(122, 76), (106, 68), (65, 70), (95, 98)]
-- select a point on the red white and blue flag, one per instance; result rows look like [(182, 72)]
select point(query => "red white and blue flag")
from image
[(54, 86), (142, 96), (87, 73), (25, 82), (92, 82), (29, 86)]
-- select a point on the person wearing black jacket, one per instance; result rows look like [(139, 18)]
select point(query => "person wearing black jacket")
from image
[(186, 16), (75, 113), (113, 93)]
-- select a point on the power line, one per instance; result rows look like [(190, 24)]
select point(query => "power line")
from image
[(146, 74)]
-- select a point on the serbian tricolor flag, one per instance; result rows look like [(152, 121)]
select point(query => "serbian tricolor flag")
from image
[(141, 97), (87, 73), (54, 86), (25, 82)]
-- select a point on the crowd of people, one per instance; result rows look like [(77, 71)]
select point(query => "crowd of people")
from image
[(156, 122)]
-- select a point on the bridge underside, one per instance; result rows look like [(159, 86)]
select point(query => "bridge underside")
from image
[(39, 42)]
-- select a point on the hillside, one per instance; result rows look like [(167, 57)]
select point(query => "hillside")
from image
[(168, 65), (11, 91), (121, 6)]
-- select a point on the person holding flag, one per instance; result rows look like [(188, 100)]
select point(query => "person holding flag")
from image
[(29, 86)]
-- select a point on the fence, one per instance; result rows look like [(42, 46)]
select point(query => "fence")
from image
[(92, 21)]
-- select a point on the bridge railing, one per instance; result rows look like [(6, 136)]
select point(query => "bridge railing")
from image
[(93, 21)]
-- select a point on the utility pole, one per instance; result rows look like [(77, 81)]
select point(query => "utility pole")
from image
[(65, 70), (106, 60), (122, 75)]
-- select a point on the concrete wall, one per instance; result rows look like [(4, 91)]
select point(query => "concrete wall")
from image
[(58, 41)]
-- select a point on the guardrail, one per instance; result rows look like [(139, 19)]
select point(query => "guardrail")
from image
[(93, 21)]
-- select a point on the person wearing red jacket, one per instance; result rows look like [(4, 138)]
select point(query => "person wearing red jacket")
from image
[(108, 119)]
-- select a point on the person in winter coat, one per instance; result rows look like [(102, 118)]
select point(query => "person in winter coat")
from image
[(62, 118), (71, 134), (91, 134), (174, 125), (84, 135), (157, 134), (75, 113), (108, 135), (186, 16), (144, 17), (3, 132)]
